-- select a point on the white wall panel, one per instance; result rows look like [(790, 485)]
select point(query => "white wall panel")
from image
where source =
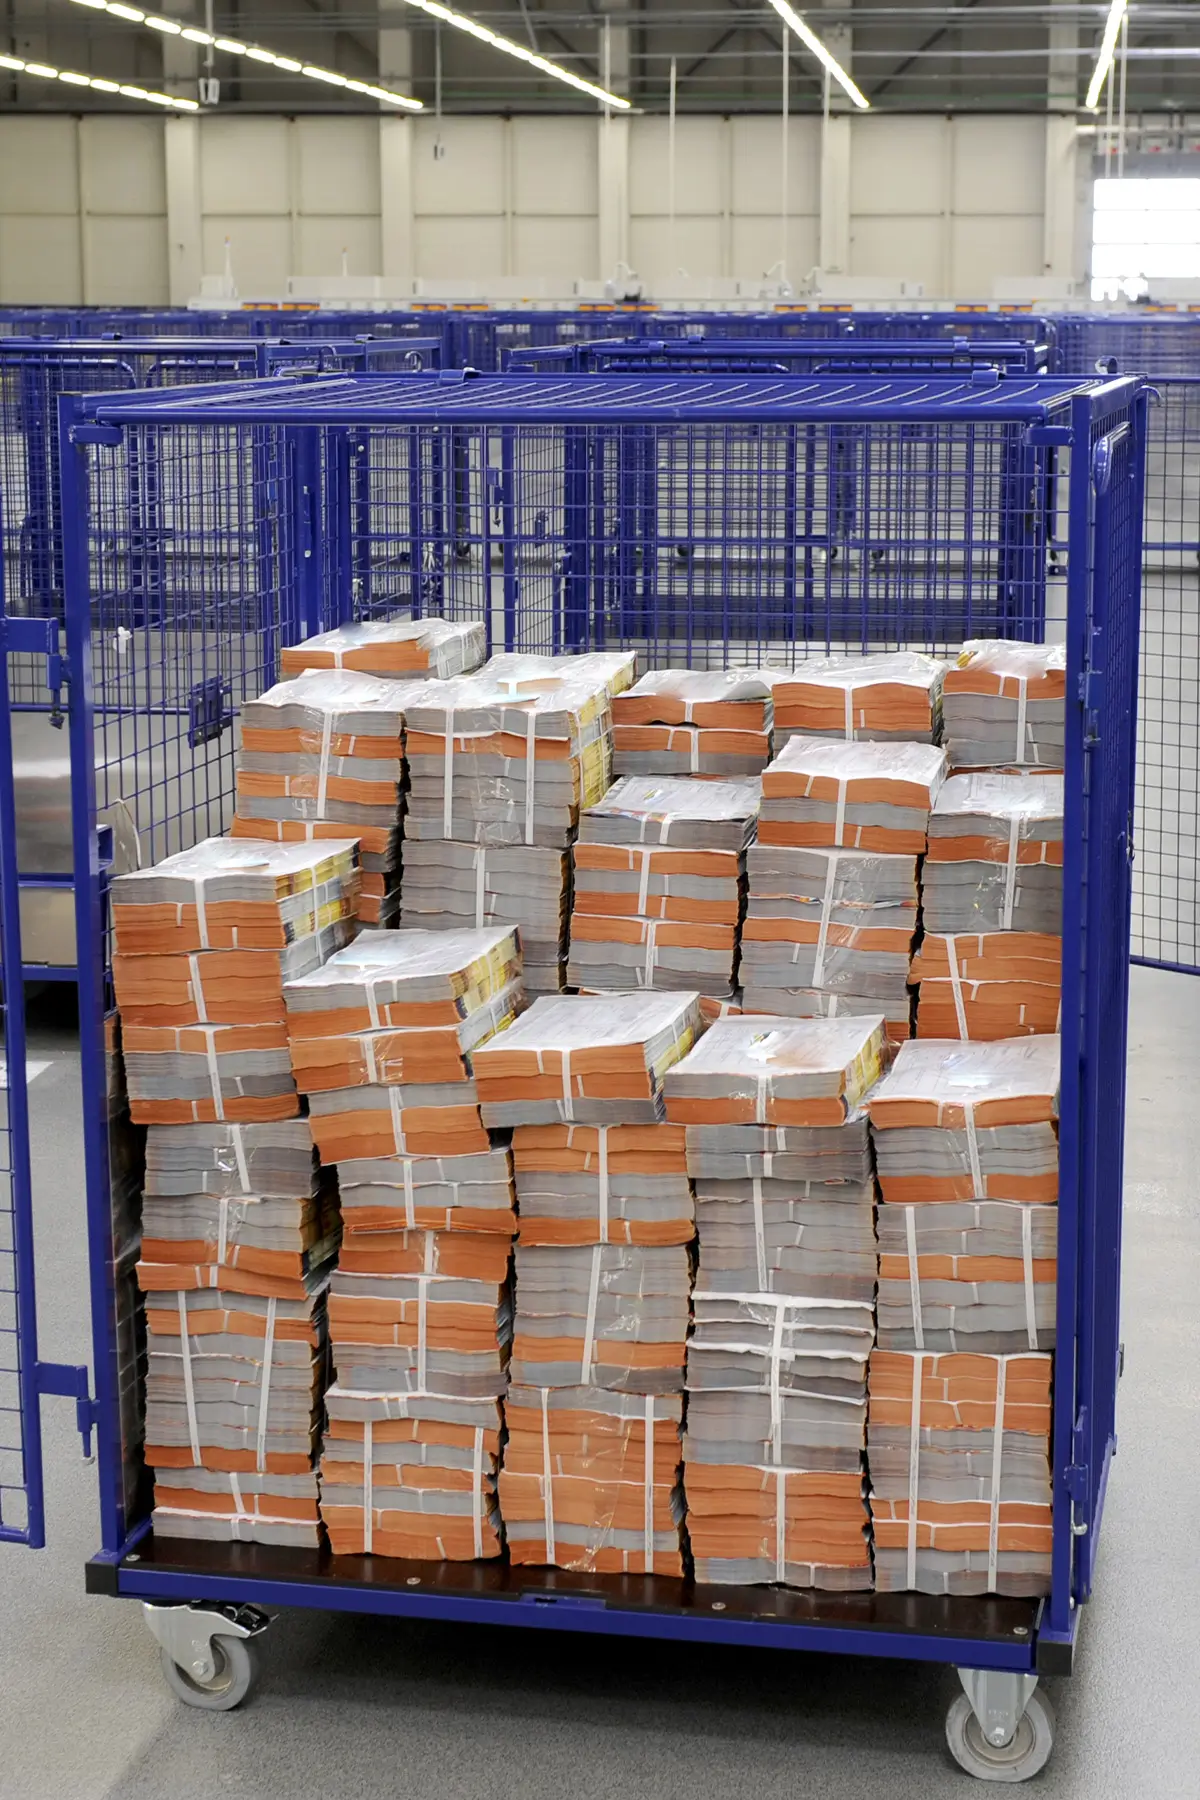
[(756, 166), (554, 166), (39, 261), (697, 246), (898, 166), (470, 249), (908, 247), (985, 248), (321, 241), (121, 166), (756, 247), (699, 166), (999, 166), (244, 166), (125, 261), (469, 179), (548, 246), (39, 170), (261, 249), (336, 166)]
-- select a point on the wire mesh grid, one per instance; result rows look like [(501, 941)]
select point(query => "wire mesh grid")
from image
[(1166, 902)]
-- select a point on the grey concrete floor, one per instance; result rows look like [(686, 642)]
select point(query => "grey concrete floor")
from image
[(361, 1709)]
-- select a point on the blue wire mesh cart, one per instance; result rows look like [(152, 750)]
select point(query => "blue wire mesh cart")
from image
[(860, 355), (703, 520)]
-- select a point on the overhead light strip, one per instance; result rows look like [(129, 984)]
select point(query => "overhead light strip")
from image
[(461, 22), (824, 56), (133, 15), (1108, 51), (44, 72)]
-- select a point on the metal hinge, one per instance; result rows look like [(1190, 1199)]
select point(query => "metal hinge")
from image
[(1091, 698), (72, 1381), (96, 434), (38, 637)]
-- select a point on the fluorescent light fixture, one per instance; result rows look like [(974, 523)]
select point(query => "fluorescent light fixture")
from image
[(133, 15), (44, 72), (461, 22), (1108, 49), (827, 60)]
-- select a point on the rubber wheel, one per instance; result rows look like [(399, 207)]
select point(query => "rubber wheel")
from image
[(236, 1670), (1028, 1752)]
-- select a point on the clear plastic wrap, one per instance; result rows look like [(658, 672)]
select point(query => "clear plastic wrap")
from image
[(959, 1450), (995, 855), (988, 985), (717, 699), (892, 697), (758, 1070), (853, 796), (610, 1315), (602, 1184), (395, 649), (449, 886), (397, 979), (1005, 703)]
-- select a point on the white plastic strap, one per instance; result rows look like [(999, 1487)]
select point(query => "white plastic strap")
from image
[(960, 1011), (695, 750), (370, 986), (568, 1098), (781, 1476), (589, 1330), (368, 1488), (768, 1164), (547, 1477), (222, 1229), (1010, 873), (368, 1044), (1030, 1290), (651, 951), (264, 1399), (410, 1209), (914, 1275), (644, 883), (977, 1181), (760, 1240), (762, 1091), (914, 1465), (448, 778), (323, 767), (197, 987), (214, 1068), (839, 822), (823, 928), (530, 772), (776, 1400), (189, 1386), (480, 885), (648, 1485), (997, 1455), (239, 1151), (664, 827), (602, 1207), (477, 1491), (849, 696), (1022, 703), (201, 914), (423, 1322), (396, 1107), (688, 708), (235, 1489)]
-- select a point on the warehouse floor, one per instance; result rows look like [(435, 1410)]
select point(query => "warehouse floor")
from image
[(363, 1708)]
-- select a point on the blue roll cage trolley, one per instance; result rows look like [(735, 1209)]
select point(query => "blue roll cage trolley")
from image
[(943, 493)]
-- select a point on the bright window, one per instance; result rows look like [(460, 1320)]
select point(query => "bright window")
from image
[(1142, 229)]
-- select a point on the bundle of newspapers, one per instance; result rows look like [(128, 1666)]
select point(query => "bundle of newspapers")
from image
[(396, 649), (449, 886), (851, 796), (239, 1237), (959, 1447), (603, 1277), (327, 748), (1004, 705), (829, 933), (491, 763), (778, 1149), (386, 1037), (694, 722), (995, 855), (966, 1147), (659, 884), (890, 698), (205, 940), (988, 984)]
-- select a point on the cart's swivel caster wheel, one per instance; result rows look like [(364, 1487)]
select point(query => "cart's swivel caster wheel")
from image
[(234, 1670), (209, 1653), (1027, 1751)]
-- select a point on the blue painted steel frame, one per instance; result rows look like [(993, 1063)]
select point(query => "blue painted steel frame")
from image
[(1038, 402), (790, 355)]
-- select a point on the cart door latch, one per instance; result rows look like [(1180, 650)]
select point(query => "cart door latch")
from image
[(71, 1381)]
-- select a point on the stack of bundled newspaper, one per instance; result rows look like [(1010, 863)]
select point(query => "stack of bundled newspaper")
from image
[(603, 1275), (396, 649), (694, 722), (894, 697), (776, 1374), (659, 884), (995, 855), (851, 796), (1004, 705)]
